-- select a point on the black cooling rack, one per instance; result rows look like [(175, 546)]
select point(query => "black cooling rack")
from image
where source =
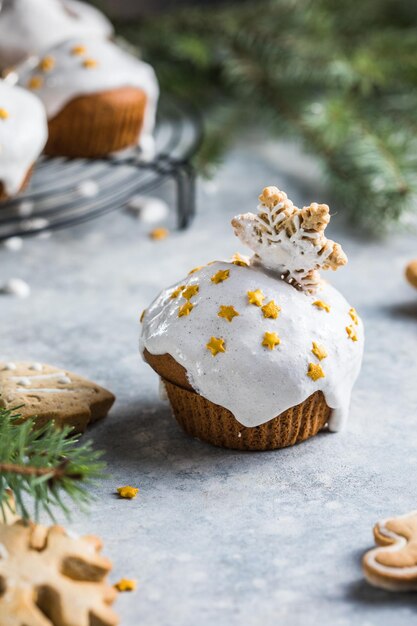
[(54, 199)]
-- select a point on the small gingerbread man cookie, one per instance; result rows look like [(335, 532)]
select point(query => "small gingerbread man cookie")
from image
[(49, 393), (393, 564)]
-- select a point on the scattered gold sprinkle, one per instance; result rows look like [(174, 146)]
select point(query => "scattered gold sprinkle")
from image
[(78, 51), (3, 114), (322, 305), (271, 310), (90, 64), (126, 584), (216, 345), (196, 269), (220, 276), (190, 292), (157, 234), (228, 312), (315, 371), (177, 292), (185, 309), (351, 333), (256, 297), (354, 316), (47, 64), (239, 260), (318, 351), (36, 82), (142, 316), (271, 340), (128, 492)]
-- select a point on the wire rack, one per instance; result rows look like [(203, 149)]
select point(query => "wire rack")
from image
[(55, 198)]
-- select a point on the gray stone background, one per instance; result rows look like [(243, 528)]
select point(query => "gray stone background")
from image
[(216, 536)]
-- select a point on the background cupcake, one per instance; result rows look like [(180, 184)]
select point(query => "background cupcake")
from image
[(28, 26), (23, 134), (99, 99), (261, 354)]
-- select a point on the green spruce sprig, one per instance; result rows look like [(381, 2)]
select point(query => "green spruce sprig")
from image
[(41, 465), (344, 81)]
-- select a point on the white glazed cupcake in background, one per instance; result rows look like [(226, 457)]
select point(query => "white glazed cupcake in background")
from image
[(99, 98), (259, 354), (29, 26), (23, 134)]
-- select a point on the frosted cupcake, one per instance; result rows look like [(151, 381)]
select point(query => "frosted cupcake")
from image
[(23, 134), (29, 26), (98, 98), (262, 353)]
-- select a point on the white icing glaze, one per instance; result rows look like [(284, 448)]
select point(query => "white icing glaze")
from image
[(61, 376), (69, 77), (257, 384), (45, 390), (23, 135), (29, 26)]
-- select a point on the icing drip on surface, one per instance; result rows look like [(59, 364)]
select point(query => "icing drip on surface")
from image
[(86, 67), (29, 26), (253, 381), (23, 135)]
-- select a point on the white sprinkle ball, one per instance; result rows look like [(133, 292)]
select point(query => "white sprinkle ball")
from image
[(13, 243), (16, 287), (88, 188), (148, 209), (25, 208)]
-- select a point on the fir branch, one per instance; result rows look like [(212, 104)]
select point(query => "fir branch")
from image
[(42, 464), (321, 72)]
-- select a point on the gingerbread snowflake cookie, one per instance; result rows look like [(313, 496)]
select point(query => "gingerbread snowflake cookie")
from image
[(289, 240), (48, 578), (50, 393), (393, 564)]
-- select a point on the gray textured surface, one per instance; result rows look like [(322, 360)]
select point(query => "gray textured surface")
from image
[(221, 537)]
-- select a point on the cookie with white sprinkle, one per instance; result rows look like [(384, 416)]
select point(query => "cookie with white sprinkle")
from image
[(51, 393)]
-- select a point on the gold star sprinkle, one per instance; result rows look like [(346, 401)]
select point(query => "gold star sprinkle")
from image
[(47, 64), (36, 82), (354, 316), (239, 260), (228, 312), (185, 309), (196, 269), (271, 340), (351, 333), (177, 292), (216, 345), (90, 64), (220, 276), (315, 371), (256, 297), (128, 492), (78, 51), (3, 114), (318, 351), (142, 316), (158, 234), (271, 310), (126, 584), (190, 292), (322, 305)]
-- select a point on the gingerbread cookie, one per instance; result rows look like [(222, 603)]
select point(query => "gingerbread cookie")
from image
[(411, 273), (393, 564), (49, 393), (48, 578)]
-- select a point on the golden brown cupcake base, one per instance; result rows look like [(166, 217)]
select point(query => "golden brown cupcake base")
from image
[(4, 195), (97, 124), (213, 423)]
